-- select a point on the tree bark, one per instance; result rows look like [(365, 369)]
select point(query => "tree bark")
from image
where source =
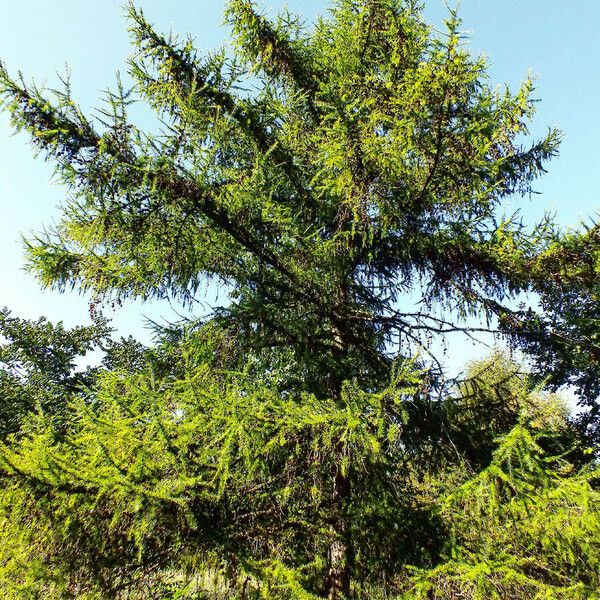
[(338, 579), (338, 576)]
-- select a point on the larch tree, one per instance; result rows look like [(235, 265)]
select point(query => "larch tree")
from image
[(362, 176)]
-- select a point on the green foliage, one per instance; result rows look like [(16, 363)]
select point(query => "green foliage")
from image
[(211, 482), (565, 341), (525, 527), (155, 473), (38, 367), (301, 443)]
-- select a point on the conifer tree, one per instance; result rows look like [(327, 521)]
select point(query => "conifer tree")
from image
[(367, 168), (369, 164)]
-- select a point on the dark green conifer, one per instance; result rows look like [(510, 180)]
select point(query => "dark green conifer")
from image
[(364, 173)]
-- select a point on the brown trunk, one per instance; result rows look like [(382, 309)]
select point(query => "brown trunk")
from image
[(338, 576), (338, 579)]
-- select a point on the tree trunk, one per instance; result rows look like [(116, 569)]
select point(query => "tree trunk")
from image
[(338, 579), (338, 576)]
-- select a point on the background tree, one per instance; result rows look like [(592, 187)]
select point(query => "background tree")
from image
[(565, 339), (38, 367)]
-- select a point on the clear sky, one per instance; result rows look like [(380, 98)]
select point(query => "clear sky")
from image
[(554, 39)]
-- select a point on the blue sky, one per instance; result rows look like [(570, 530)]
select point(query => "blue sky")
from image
[(556, 40)]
